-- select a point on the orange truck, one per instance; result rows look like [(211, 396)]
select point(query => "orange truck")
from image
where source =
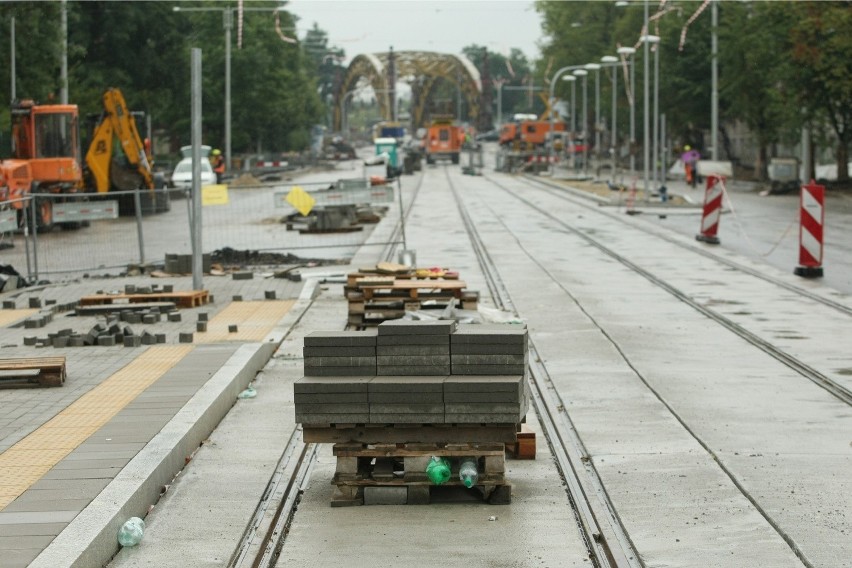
[(444, 141), (529, 132)]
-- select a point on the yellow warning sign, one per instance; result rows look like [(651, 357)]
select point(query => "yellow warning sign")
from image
[(214, 194), (301, 200)]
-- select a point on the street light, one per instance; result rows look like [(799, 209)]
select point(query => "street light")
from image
[(627, 52), (655, 40), (583, 73), (596, 67), (613, 60), (559, 73)]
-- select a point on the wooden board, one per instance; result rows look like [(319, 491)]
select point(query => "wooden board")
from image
[(188, 299), (32, 372), (412, 287)]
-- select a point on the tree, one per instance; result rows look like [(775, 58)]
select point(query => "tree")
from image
[(821, 36), (325, 62), (511, 70)]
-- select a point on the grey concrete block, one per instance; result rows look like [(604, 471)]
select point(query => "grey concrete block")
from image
[(129, 289), (419, 360), (161, 337), (148, 339), (131, 317), (341, 351), (340, 338), (407, 418), (9, 304), (360, 371), (331, 384), (132, 340), (385, 495), (60, 341), (232, 328), (35, 302), (30, 340), (413, 340), (352, 418), (483, 408), (482, 396), (489, 369), (148, 318), (489, 418), (332, 408), (185, 337), (406, 408), (174, 316), (489, 359), (330, 398), (485, 383), (203, 316), (243, 275), (490, 333), (408, 396), (412, 350), (407, 384), (488, 349), (106, 340), (269, 294), (201, 326), (76, 341), (340, 362), (237, 298), (408, 327), (167, 288), (413, 370)]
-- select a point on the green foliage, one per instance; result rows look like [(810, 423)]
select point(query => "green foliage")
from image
[(144, 49), (515, 72)]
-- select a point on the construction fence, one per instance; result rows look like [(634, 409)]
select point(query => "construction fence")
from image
[(261, 224)]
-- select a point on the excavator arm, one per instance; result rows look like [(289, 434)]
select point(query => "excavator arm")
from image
[(116, 125)]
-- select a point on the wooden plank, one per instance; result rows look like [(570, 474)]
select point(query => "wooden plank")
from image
[(186, 299), (30, 372), (314, 433)]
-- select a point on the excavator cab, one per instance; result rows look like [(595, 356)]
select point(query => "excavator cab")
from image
[(48, 136)]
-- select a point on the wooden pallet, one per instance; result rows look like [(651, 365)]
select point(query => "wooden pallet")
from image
[(415, 288), (353, 278), (32, 372), (189, 299), (410, 433), (401, 470)]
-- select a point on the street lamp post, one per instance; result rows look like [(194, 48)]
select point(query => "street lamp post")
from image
[(612, 60), (596, 67), (655, 40), (559, 73), (583, 73), (626, 52)]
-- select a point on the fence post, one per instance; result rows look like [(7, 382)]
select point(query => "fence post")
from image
[(137, 205), (34, 227)]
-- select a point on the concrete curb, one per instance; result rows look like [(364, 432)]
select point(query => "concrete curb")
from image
[(91, 538)]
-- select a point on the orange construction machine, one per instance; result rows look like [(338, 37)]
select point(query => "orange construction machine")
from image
[(443, 141), (48, 138)]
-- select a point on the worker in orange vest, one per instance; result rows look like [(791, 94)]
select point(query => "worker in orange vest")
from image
[(218, 163)]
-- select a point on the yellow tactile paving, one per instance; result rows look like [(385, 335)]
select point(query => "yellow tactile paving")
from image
[(254, 321), (27, 461), (11, 316)]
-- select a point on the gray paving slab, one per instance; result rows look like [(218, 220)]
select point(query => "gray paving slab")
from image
[(482, 418), (406, 417), (413, 370), (488, 349), (318, 398), (481, 397), (406, 407), (407, 396), (488, 359), (485, 383), (490, 333), (328, 371), (340, 351), (340, 338), (332, 384), (412, 350), (462, 369), (331, 408), (407, 327), (331, 418), (31, 529), (338, 362), (413, 360), (407, 384), (412, 340), (485, 408)]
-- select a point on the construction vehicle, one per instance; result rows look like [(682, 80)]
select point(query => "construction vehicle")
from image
[(443, 141), (47, 138), (118, 160)]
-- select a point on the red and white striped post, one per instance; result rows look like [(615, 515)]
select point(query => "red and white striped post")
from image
[(712, 210), (811, 223)]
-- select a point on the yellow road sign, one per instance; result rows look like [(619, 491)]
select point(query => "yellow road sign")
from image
[(214, 194), (301, 200)]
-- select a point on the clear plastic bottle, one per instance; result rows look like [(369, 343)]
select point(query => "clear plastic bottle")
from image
[(131, 532), (438, 471), (468, 472)]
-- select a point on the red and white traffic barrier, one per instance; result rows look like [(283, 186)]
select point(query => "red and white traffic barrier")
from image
[(271, 164), (712, 210), (543, 159), (811, 223)]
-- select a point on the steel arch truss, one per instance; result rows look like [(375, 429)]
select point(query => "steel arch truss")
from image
[(420, 69)]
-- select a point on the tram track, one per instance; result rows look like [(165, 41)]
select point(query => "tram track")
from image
[(605, 538), (807, 371), (565, 430)]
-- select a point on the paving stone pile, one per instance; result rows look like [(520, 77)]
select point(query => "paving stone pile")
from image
[(413, 372)]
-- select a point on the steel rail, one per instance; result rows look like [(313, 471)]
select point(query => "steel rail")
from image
[(561, 436)]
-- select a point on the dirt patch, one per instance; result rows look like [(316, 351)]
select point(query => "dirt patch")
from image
[(619, 194), (244, 180), (231, 257)]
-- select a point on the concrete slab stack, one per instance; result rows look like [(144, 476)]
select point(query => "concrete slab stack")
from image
[(340, 353), (489, 350), (406, 347), (407, 399), (332, 400)]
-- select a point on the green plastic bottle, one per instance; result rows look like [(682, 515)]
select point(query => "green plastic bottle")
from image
[(438, 471)]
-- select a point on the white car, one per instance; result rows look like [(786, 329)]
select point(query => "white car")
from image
[(182, 176)]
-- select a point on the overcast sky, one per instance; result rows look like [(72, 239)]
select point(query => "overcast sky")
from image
[(372, 26)]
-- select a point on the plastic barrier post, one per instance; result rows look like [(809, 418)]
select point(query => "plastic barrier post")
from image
[(811, 223), (712, 210)]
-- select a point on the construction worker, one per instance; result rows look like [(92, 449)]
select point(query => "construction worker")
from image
[(217, 160)]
